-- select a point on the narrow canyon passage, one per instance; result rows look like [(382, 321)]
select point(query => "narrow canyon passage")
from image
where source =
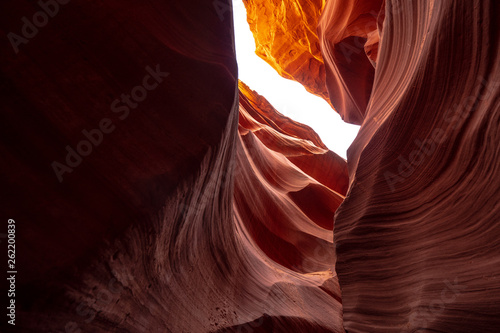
[(153, 191)]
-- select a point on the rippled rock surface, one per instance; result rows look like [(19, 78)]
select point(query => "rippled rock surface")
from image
[(417, 235), (153, 192), (149, 194)]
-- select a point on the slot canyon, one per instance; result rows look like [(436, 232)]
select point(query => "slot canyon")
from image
[(153, 191)]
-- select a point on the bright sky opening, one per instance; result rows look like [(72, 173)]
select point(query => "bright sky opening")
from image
[(288, 97)]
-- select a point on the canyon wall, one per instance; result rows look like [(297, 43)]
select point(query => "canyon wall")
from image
[(153, 192), (417, 236), (148, 194), (286, 38)]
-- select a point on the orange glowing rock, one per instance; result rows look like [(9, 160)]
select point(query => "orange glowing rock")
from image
[(286, 38), (330, 49)]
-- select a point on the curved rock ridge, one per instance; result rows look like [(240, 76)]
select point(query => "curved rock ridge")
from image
[(141, 204), (283, 221), (292, 217), (108, 110), (286, 38), (153, 192), (417, 235), (298, 142), (297, 39), (348, 33)]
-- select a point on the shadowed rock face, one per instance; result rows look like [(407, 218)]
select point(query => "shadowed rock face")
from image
[(153, 192), (143, 227), (418, 232), (349, 43), (90, 252)]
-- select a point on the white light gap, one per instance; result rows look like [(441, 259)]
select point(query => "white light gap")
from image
[(288, 97)]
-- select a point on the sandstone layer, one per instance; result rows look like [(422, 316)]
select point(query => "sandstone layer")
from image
[(148, 196), (297, 40), (348, 33), (286, 38), (417, 235), (153, 192)]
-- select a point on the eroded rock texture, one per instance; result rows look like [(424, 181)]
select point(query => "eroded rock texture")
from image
[(417, 232), (91, 253), (292, 38), (153, 192), (282, 161), (417, 235), (349, 42), (120, 149), (286, 38)]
